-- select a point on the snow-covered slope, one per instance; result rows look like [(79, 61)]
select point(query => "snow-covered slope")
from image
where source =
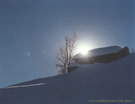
[(90, 82)]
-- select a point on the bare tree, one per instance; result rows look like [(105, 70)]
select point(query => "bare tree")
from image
[(65, 53)]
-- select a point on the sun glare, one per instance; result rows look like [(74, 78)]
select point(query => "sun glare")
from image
[(83, 49), (83, 46)]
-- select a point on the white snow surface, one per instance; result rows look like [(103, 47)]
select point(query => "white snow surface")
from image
[(111, 81), (73, 64), (27, 85)]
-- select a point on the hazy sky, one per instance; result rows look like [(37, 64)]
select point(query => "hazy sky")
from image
[(32, 30)]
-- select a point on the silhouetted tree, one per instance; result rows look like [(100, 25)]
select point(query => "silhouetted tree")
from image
[(65, 53)]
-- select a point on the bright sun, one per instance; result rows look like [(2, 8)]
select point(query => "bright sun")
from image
[(83, 46), (83, 49)]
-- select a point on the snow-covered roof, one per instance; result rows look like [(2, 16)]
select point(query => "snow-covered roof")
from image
[(100, 51)]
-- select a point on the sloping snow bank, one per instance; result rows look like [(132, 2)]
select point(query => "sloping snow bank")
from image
[(90, 82)]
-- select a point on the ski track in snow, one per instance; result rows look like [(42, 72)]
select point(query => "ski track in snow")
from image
[(29, 85)]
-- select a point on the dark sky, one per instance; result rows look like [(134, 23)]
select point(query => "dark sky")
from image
[(32, 30)]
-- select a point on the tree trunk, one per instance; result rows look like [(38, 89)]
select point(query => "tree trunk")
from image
[(66, 68)]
